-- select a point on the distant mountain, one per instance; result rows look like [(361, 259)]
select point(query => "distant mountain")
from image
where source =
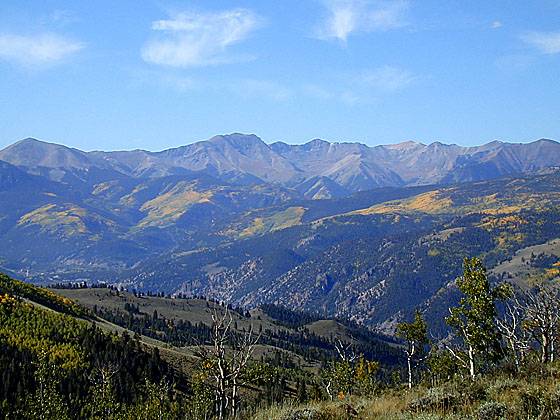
[(318, 169), (377, 264), (343, 229), (33, 153)]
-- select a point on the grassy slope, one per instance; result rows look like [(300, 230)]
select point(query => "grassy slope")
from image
[(531, 396), (200, 311), (329, 328), (192, 310), (518, 266), (75, 311)]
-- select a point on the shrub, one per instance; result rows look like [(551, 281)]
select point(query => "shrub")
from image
[(304, 414), (538, 402), (492, 410), (503, 384), (473, 392), (436, 399)]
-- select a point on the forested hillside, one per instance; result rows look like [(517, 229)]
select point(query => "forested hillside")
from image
[(107, 353), (250, 236), (99, 352), (374, 264)]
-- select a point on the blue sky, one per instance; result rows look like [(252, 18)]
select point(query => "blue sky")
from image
[(156, 74)]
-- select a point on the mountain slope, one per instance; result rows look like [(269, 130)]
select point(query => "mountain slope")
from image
[(252, 223), (374, 265), (338, 167)]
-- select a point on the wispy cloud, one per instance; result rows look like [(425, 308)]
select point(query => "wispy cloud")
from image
[(42, 49), (362, 87), (196, 39), (60, 17), (545, 42), (345, 17), (243, 88), (496, 24), (255, 88), (317, 92), (386, 78)]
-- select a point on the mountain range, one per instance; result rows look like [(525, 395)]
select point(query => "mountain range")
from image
[(317, 169), (342, 229)]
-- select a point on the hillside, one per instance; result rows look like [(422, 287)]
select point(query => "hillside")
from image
[(192, 317), (79, 331), (53, 351), (69, 214), (375, 264), (152, 221), (80, 352)]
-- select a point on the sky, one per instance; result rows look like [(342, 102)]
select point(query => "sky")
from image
[(127, 74)]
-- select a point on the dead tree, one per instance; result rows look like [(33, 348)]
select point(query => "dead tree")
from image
[(415, 334), (542, 320), (512, 329), (347, 357), (345, 351), (227, 358), (104, 403)]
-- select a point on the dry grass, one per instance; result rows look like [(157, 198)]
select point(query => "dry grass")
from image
[(359, 408), (67, 220), (532, 396), (431, 202), (169, 207), (281, 220)]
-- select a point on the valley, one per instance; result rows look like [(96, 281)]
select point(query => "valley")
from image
[(156, 222)]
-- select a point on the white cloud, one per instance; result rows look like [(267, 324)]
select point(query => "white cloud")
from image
[(545, 42), (496, 24), (254, 88), (387, 78), (198, 39), (317, 92), (39, 49), (60, 17), (347, 16), (362, 87), (514, 63)]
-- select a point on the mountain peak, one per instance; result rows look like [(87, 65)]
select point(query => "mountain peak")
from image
[(544, 140), (405, 145), (237, 139), (35, 144), (31, 152), (315, 144), (494, 143), (31, 141)]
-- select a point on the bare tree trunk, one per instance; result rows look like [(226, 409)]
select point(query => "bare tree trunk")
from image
[(328, 389), (472, 371), (514, 355), (409, 363), (229, 366), (544, 348), (234, 407)]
